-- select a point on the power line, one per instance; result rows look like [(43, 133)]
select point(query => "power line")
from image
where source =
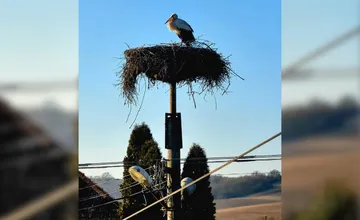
[(197, 180), (111, 202), (334, 73), (246, 160), (238, 174), (122, 198), (44, 202), (137, 193), (100, 195), (38, 86), (216, 161), (182, 159), (206, 175), (128, 187), (320, 50), (135, 184), (93, 197), (97, 184)]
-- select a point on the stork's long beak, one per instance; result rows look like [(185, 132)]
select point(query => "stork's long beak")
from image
[(167, 20)]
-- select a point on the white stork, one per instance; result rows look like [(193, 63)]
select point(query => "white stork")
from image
[(182, 29)]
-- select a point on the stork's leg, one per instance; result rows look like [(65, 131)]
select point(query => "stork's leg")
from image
[(180, 37), (182, 42)]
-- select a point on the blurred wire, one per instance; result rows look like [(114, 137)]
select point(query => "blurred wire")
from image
[(38, 86), (183, 159), (132, 185), (216, 161), (292, 69), (205, 175), (106, 181), (97, 196), (337, 73), (43, 203), (243, 174), (121, 198), (101, 195)]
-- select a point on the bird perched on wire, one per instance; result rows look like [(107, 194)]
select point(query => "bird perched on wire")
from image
[(182, 29)]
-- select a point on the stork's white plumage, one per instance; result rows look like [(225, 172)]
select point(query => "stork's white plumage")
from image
[(182, 29)]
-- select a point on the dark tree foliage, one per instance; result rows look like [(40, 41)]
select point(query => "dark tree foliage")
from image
[(233, 187), (319, 117), (199, 205), (143, 151)]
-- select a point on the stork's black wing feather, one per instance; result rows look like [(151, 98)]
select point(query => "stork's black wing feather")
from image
[(191, 28)]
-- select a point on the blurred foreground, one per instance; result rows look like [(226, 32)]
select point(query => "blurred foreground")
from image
[(310, 163), (320, 119), (39, 158), (38, 109)]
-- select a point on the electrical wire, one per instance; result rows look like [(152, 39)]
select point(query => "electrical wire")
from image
[(101, 195), (128, 187), (183, 159), (239, 174), (247, 160), (216, 161), (100, 183), (122, 198), (195, 181), (135, 184), (204, 176), (44, 202), (320, 50), (37, 206), (38, 86)]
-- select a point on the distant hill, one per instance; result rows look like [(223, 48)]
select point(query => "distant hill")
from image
[(108, 183), (319, 118), (56, 122), (110, 186), (235, 187), (222, 187)]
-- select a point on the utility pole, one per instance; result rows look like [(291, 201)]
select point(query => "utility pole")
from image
[(173, 144)]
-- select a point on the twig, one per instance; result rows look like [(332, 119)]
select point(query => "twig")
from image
[(192, 94), (215, 101), (174, 62), (127, 45), (138, 111), (127, 118)]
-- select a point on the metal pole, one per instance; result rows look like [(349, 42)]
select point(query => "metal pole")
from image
[(173, 178)]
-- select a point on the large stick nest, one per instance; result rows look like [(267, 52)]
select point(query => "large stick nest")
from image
[(173, 63)]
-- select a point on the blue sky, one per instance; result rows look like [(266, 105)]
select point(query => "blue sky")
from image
[(43, 36), (308, 24), (250, 31), (42, 42), (39, 43)]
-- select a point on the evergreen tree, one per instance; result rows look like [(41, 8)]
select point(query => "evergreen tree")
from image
[(199, 205), (142, 151)]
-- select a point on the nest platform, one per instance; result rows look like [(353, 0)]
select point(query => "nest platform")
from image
[(173, 63)]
